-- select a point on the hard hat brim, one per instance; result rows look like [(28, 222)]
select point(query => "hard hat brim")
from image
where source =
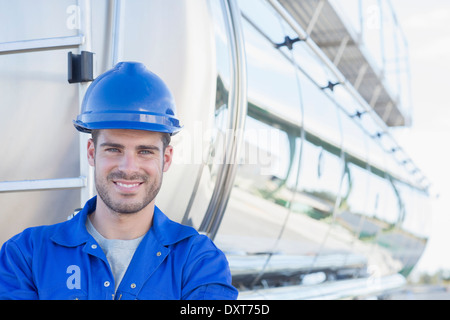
[(133, 121)]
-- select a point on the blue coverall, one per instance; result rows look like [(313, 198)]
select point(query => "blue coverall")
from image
[(63, 261)]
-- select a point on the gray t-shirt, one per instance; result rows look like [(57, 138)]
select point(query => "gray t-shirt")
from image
[(118, 252)]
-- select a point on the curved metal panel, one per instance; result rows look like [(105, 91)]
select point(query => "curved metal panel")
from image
[(237, 112)]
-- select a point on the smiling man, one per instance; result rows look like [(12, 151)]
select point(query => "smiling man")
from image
[(120, 245), (129, 166)]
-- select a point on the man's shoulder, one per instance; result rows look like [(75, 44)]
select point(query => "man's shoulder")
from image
[(32, 236)]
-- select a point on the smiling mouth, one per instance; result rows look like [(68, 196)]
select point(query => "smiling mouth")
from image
[(128, 185)]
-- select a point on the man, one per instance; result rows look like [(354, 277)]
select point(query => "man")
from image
[(120, 245)]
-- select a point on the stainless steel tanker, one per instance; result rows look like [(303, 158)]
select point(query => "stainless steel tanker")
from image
[(286, 158)]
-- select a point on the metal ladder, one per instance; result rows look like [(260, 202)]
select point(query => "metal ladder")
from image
[(82, 42)]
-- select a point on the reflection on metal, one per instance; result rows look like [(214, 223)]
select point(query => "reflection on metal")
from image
[(237, 111), (353, 208), (332, 35), (288, 266), (368, 104), (344, 289)]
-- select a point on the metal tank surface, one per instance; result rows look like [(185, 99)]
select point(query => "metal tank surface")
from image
[(285, 158)]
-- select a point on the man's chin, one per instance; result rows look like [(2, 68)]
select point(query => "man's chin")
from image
[(125, 203), (126, 208)]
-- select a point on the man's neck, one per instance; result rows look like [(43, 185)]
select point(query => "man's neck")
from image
[(123, 226)]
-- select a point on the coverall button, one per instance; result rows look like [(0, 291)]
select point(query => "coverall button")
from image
[(106, 284), (133, 285), (158, 253), (94, 246)]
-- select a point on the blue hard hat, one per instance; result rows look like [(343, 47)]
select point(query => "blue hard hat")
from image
[(128, 97)]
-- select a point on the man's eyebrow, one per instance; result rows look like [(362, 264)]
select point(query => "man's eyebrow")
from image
[(121, 146), (147, 147), (112, 145)]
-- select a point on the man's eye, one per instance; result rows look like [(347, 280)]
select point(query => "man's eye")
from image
[(112, 150), (146, 152)]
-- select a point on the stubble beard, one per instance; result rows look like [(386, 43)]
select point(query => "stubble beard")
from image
[(127, 206)]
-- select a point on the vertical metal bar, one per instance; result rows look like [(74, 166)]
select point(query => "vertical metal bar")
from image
[(396, 31), (237, 114), (215, 199), (361, 21), (85, 169), (239, 111), (116, 53), (382, 47)]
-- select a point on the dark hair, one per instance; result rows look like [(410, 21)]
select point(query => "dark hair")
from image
[(94, 136), (165, 138)]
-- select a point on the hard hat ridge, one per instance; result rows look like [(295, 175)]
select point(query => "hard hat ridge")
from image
[(129, 96)]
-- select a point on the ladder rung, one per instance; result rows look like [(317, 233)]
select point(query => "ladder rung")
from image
[(41, 44), (43, 184)]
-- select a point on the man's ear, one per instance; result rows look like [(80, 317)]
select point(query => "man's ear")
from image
[(168, 154), (91, 152)]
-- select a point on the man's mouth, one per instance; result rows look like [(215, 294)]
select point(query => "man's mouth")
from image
[(127, 186)]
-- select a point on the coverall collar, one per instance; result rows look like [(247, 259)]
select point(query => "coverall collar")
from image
[(73, 233)]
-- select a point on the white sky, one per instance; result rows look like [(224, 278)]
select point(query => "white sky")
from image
[(427, 28)]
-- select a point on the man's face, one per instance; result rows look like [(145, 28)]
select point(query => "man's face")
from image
[(129, 166)]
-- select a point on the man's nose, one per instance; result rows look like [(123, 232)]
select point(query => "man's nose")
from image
[(129, 163)]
